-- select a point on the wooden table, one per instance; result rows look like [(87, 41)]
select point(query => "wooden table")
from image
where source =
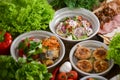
[(114, 71)]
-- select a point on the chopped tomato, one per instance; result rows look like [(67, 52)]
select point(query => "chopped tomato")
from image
[(21, 52)]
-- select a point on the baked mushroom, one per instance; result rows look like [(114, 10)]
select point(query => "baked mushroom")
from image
[(85, 65), (100, 53), (100, 65), (82, 52)]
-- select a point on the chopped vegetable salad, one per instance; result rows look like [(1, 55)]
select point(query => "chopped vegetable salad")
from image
[(45, 51), (74, 28)]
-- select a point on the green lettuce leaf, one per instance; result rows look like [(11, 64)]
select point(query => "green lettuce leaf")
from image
[(19, 16), (114, 49)]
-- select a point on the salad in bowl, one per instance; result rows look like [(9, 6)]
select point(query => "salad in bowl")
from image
[(74, 28), (41, 46), (74, 25)]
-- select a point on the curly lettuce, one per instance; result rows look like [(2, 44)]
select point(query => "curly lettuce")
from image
[(114, 49), (33, 71), (19, 16), (8, 68), (22, 70)]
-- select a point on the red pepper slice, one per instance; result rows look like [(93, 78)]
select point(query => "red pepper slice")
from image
[(5, 42), (54, 73)]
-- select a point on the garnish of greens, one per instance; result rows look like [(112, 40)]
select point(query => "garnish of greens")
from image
[(114, 49), (29, 47), (19, 16), (88, 4), (22, 70)]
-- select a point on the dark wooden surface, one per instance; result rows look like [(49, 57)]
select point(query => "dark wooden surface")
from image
[(68, 45)]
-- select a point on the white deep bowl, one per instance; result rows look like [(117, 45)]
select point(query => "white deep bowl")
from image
[(93, 76), (92, 44), (40, 35), (66, 12)]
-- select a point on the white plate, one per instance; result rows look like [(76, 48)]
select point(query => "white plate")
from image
[(36, 34), (92, 44), (97, 78)]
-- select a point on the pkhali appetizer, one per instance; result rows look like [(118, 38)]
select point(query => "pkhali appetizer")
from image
[(82, 52), (100, 65), (91, 60), (100, 53), (85, 65)]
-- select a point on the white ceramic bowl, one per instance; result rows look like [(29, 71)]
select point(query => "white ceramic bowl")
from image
[(40, 35), (92, 44), (66, 12), (96, 78)]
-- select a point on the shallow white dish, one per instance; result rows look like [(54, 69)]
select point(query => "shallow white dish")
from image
[(40, 35), (66, 12), (96, 78), (92, 44), (116, 77)]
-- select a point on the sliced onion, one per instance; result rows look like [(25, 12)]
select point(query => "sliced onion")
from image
[(78, 32), (69, 37), (89, 31), (60, 30)]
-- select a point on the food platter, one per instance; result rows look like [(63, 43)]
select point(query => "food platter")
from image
[(114, 71), (86, 55), (104, 36)]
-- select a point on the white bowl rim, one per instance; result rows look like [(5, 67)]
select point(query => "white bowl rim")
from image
[(66, 9), (85, 73), (38, 31), (93, 76)]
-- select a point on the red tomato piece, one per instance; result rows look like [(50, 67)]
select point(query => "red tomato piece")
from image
[(21, 52), (62, 76), (72, 75)]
